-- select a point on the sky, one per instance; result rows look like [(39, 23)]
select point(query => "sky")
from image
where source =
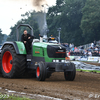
[(11, 10)]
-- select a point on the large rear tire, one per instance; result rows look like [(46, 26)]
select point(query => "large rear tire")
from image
[(12, 65), (41, 72), (70, 75), (0, 63)]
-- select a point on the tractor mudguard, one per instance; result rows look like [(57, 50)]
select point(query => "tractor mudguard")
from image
[(18, 46)]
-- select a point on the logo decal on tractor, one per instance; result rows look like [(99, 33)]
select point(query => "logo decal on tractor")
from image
[(37, 52), (22, 49), (60, 47)]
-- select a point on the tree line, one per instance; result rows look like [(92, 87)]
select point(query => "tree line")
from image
[(79, 21), (3, 37)]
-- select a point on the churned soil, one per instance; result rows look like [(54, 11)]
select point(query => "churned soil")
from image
[(86, 86), (92, 63)]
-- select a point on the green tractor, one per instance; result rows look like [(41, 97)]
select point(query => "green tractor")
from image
[(44, 59)]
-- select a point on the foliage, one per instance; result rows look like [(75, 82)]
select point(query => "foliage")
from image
[(2, 37), (67, 14), (90, 23)]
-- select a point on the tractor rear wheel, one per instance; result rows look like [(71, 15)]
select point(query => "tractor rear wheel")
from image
[(41, 72), (70, 75), (0, 63), (12, 65)]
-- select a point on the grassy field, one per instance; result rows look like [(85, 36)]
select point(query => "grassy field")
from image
[(8, 97), (94, 71)]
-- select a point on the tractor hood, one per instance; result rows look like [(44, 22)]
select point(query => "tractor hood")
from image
[(44, 45), (56, 51), (50, 49)]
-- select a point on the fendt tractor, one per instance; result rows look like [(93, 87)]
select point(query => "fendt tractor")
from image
[(44, 59)]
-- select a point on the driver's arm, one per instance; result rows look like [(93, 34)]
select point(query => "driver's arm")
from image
[(30, 36)]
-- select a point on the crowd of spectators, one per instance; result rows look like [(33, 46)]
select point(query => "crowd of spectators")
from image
[(92, 50)]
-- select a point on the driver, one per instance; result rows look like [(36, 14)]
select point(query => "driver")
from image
[(27, 40)]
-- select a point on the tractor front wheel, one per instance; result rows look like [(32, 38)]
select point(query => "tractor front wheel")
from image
[(70, 75), (41, 72)]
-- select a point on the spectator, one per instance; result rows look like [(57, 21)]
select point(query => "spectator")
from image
[(92, 50), (70, 45), (89, 53), (94, 43), (99, 42), (72, 49), (76, 49), (96, 49)]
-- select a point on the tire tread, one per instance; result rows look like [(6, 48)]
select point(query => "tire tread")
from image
[(19, 63)]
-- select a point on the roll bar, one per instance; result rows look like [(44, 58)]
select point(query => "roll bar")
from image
[(26, 25)]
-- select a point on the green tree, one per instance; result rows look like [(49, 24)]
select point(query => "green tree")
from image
[(67, 14), (90, 23), (1, 36)]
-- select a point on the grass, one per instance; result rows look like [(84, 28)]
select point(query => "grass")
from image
[(17, 98), (94, 71), (12, 97), (92, 63)]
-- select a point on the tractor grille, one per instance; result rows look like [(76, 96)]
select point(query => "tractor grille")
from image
[(56, 51)]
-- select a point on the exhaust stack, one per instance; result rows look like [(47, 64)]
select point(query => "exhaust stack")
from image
[(41, 38)]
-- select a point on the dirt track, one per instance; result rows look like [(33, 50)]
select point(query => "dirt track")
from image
[(86, 86)]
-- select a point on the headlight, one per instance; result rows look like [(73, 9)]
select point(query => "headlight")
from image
[(54, 61), (57, 60), (62, 60)]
